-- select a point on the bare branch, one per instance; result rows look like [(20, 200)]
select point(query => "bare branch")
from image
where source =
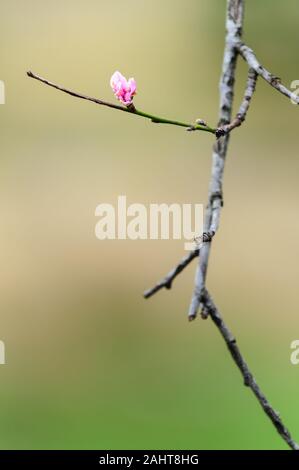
[(251, 59), (77, 95), (201, 296), (234, 23), (210, 309), (169, 278), (249, 91), (129, 109), (249, 380)]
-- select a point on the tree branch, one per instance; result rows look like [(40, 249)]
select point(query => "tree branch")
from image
[(169, 278), (201, 296), (249, 91), (210, 309), (130, 109), (251, 59), (234, 23), (249, 380)]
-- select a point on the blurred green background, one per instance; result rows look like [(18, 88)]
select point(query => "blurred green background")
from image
[(90, 364)]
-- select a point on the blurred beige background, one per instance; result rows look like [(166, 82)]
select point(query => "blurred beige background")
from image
[(90, 364)]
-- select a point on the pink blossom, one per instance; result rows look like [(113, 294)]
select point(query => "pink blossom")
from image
[(123, 89)]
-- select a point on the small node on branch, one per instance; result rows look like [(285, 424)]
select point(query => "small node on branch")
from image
[(201, 122), (131, 108), (205, 237), (204, 313), (220, 132)]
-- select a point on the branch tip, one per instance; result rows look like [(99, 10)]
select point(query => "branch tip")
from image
[(192, 317)]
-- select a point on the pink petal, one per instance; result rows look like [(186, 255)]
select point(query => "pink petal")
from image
[(132, 85), (128, 97), (118, 81)]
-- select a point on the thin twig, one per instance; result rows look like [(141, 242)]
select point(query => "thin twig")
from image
[(168, 279), (249, 380), (234, 23), (129, 109), (251, 59), (77, 95), (249, 91)]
